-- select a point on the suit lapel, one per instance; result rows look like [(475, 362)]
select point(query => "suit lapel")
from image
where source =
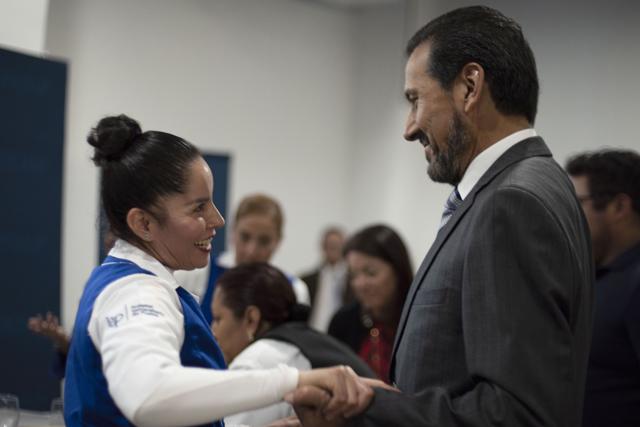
[(531, 147)]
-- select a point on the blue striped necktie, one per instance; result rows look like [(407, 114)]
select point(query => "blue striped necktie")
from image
[(450, 207)]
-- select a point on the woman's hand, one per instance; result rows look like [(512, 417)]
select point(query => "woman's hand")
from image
[(371, 382), (291, 421)]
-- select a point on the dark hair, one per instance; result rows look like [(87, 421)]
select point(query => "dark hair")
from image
[(381, 241), (483, 35), (264, 286), (331, 230), (261, 204), (137, 168), (609, 172)]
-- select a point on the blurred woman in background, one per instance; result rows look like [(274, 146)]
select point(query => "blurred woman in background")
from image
[(256, 234), (380, 275), (259, 325)]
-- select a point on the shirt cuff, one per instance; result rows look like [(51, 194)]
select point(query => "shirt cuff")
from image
[(290, 377)]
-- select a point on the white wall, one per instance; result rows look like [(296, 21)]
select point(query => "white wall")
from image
[(23, 25), (268, 82), (308, 100), (389, 181)]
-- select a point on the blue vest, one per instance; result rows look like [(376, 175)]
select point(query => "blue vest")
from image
[(86, 396), (215, 271)]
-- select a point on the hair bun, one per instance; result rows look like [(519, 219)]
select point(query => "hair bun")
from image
[(112, 137)]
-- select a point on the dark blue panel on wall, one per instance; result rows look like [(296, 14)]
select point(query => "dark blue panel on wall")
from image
[(32, 94)]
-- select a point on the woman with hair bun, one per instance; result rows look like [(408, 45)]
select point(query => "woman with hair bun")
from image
[(141, 351), (259, 324)]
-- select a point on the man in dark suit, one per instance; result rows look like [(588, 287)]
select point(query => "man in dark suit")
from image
[(496, 326)]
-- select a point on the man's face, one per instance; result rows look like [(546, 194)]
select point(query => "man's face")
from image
[(434, 120), (599, 224), (332, 247)]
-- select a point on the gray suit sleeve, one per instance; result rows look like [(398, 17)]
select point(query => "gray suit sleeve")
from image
[(520, 297)]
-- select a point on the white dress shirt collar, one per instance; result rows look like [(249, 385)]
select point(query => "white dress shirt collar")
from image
[(125, 250), (486, 158)]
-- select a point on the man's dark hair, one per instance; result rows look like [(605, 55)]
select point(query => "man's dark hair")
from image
[(609, 172), (485, 36), (332, 229)]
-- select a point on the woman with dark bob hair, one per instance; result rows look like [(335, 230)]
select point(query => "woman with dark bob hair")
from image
[(141, 351), (380, 275), (259, 324)]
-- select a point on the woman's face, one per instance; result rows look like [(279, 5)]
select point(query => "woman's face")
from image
[(255, 238), (373, 282), (232, 333), (182, 240)]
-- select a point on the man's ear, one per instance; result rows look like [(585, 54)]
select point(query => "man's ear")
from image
[(139, 221), (469, 86), (622, 205)]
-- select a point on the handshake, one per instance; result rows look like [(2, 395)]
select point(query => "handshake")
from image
[(327, 396)]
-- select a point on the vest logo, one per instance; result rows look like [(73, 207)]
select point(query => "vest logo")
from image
[(112, 321), (146, 309)]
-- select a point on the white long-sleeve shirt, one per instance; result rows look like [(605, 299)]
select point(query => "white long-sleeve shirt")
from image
[(137, 326)]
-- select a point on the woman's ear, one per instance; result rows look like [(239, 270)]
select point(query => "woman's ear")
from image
[(252, 318), (139, 221)]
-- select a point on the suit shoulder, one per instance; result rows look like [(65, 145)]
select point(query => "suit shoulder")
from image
[(541, 177)]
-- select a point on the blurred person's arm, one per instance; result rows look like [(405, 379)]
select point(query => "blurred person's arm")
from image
[(49, 327)]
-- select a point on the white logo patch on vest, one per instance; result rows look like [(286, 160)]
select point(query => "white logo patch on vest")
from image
[(114, 320), (146, 309)]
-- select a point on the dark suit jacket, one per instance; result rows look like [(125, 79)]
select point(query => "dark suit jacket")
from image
[(496, 326), (311, 279)]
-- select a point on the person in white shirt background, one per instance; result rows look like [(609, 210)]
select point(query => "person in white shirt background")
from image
[(141, 352), (328, 282)]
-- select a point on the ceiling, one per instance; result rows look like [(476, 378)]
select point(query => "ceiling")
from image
[(356, 3)]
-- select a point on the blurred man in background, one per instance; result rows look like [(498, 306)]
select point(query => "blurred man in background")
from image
[(327, 283), (607, 183)]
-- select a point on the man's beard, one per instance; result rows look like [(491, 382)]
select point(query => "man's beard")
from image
[(447, 166)]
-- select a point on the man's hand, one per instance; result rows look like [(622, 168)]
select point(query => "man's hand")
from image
[(308, 402), (349, 394)]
